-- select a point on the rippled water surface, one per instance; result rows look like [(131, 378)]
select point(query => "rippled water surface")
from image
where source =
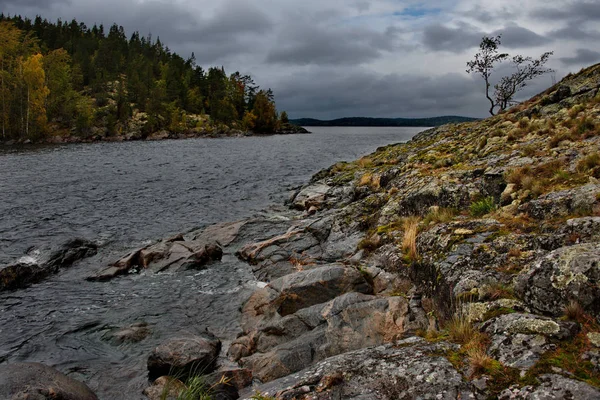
[(123, 195)]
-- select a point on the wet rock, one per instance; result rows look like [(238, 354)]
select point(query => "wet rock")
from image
[(39, 382), (171, 254), (406, 369), (70, 252), (552, 386), (21, 275), (184, 357), (131, 334), (566, 274)]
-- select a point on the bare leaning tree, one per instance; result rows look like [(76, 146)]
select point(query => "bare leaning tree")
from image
[(526, 68)]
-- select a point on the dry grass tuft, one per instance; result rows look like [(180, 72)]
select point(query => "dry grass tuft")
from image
[(461, 330), (479, 361), (574, 312), (439, 214), (409, 241), (365, 162), (588, 163)]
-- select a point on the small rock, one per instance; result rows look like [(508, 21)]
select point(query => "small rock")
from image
[(165, 388), (463, 232), (183, 357), (594, 338), (131, 334), (39, 382)]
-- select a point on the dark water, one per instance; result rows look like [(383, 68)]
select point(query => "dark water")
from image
[(123, 195)]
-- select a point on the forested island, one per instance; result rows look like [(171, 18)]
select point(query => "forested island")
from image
[(64, 81), (362, 121)]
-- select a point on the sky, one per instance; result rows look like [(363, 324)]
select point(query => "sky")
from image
[(338, 58)]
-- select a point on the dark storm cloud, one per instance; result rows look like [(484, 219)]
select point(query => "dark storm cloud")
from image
[(338, 94), (439, 37), (576, 10), (582, 57), (318, 45)]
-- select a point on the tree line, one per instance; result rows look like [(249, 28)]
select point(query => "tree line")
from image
[(67, 76)]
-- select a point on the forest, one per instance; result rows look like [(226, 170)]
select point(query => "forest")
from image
[(65, 79)]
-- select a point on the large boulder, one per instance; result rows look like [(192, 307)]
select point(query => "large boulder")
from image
[(21, 275), (282, 345), (35, 381), (184, 356), (311, 196), (562, 203), (566, 274), (519, 340), (290, 293), (408, 369)]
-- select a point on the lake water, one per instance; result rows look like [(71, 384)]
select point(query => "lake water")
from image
[(125, 195)]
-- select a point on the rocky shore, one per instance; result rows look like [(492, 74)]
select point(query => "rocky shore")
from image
[(133, 132), (463, 264)]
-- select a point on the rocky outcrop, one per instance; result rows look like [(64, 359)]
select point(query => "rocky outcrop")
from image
[(402, 370), (484, 234), (184, 356), (21, 275), (168, 255), (40, 382)]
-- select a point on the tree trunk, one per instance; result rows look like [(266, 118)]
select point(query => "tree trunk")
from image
[(487, 94), (27, 125)]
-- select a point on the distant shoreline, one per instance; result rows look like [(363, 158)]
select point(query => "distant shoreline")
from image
[(383, 122)]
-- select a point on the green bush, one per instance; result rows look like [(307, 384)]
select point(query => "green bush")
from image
[(483, 207)]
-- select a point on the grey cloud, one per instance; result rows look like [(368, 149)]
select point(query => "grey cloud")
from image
[(574, 10), (228, 32), (465, 36), (514, 36), (582, 57), (483, 14), (574, 32), (334, 94), (40, 4), (439, 37), (319, 45)]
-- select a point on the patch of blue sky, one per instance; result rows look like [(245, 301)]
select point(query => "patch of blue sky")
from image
[(417, 12)]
